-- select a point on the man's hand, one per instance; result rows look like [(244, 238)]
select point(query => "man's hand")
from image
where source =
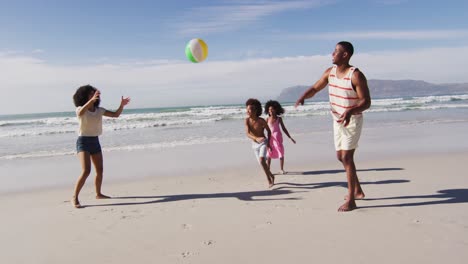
[(300, 101), (345, 117)]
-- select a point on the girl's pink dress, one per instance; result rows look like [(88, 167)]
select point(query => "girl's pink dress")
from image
[(276, 140)]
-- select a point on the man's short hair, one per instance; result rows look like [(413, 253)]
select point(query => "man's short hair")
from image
[(347, 46)]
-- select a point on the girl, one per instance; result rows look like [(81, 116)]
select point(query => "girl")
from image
[(87, 99), (274, 120)]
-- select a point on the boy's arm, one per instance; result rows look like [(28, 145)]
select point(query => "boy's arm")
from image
[(117, 113), (359, 82), (319, 85), (265, 125)]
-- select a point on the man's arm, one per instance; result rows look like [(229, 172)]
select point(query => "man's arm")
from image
[(319, 85), (359, 82)]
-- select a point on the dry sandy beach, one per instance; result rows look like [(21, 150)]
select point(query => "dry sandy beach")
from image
[(211, 205)]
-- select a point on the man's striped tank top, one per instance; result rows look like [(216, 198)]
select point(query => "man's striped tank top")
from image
[(341, 93)]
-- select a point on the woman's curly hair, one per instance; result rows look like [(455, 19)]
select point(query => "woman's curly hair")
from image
[(81, 96), (256, 104), (276, 105)]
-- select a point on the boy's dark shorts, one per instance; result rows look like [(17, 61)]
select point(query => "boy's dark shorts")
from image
[(88, 144)]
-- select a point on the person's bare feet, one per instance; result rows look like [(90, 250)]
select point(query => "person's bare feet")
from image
[(282, 172), (75, 203), (347, 206), (271, 181), (102, 196), (357, 196)]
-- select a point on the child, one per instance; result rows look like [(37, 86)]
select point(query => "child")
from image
[(255, 127), (87, 99), (274, 120)]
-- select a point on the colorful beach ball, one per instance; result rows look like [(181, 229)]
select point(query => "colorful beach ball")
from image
[(196, 50)]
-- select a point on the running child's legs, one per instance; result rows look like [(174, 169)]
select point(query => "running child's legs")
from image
[(266, 169), (260, 150)]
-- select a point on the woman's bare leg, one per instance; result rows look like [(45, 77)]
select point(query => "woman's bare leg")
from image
[(85, 162)]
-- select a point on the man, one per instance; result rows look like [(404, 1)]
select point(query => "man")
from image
[(349, 97)]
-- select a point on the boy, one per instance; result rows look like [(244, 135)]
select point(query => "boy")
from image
[(255, 127)]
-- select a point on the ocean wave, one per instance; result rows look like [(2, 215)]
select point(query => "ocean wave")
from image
[(136, 147), (63, 123), (33, 132)]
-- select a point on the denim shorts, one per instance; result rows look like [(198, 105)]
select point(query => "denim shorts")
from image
[(88, 144)]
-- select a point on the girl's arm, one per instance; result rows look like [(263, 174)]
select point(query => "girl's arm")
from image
[(88, 104), (285, 130), (117, 113)]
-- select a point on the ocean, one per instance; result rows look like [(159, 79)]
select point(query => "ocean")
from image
[(35, 136)]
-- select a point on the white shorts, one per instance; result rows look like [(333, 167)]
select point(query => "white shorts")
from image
[(347, 138), (260, 149)]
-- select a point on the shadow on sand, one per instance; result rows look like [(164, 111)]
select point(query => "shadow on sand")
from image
[(281, 188), (449, 196), (243, 196), (340, 171), (310, 186)]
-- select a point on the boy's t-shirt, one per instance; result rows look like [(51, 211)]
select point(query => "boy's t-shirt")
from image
[(90, 122)]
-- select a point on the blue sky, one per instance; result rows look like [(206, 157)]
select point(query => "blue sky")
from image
[(60, 45)]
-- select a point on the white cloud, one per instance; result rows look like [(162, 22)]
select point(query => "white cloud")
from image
[(33, 85), (405, 35), (223, 18)]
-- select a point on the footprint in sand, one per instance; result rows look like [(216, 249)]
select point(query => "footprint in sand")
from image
[(186, 226), (209, 242), (264, 225), (187, 254)]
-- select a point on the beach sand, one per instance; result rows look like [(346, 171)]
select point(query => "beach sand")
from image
[(211, 204)]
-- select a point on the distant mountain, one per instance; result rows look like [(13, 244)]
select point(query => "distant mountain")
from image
[(385, 89)]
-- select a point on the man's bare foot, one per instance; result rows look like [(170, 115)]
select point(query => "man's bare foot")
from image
[(75, 203), (357, 196), (102, 196), (282, 172), (347, 206)]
